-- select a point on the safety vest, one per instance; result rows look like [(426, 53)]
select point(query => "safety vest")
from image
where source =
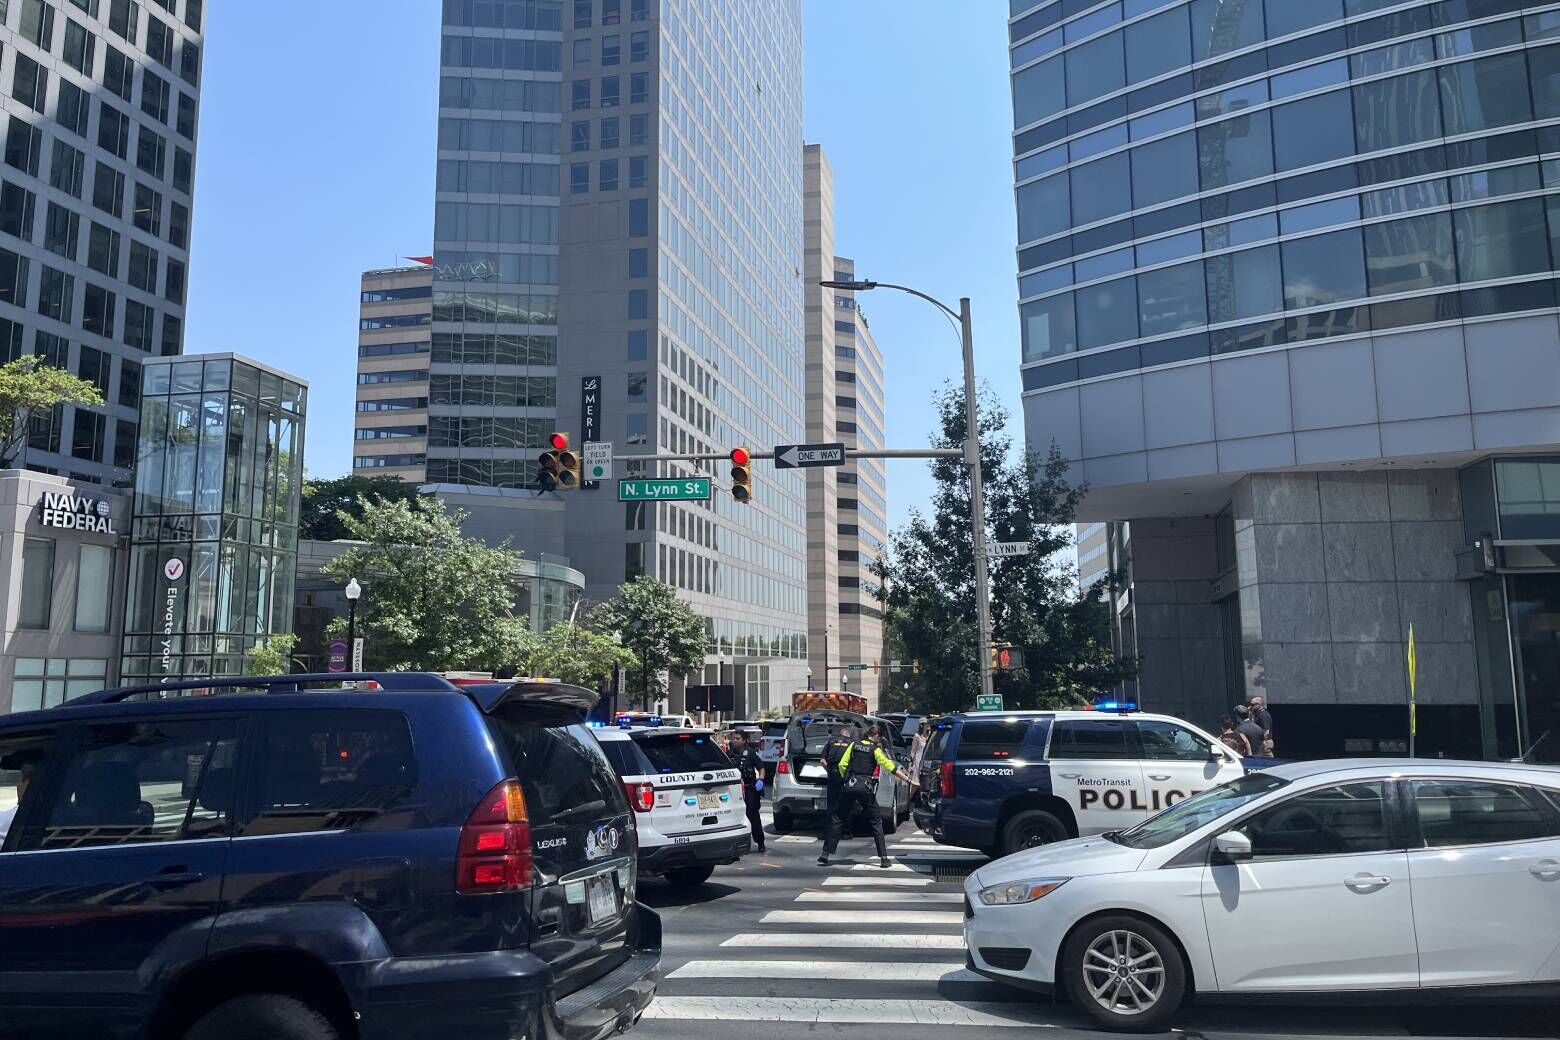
[(864, 764)]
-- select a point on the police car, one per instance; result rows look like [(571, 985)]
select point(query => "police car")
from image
[(1006, 781), (686, 796)]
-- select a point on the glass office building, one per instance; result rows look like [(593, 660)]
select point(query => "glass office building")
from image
[(214, 535), (1285, 267)]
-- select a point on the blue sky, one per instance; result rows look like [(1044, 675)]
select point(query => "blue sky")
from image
[(314, 170)]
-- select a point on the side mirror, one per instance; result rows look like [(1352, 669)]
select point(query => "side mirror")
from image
[(1233, 846), (1215, 754)]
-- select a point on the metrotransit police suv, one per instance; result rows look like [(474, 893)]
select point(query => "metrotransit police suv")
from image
[(1005, 781)]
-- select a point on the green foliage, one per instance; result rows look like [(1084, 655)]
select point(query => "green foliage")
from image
[(272, 657), (927, 581), (433, 599), (577, 655), (324, 501), (663, 633), (29, 387)]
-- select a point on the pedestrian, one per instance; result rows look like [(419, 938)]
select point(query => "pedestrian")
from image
[(1248, 730), (1231, 739), (923, 736), (1260, 715), (752, 769), (26, 767), (858, 791)]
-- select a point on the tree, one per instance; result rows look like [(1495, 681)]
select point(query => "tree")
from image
[(272, 656), (577, 654), (663, 633), (927, 580), (28, 387), (433, 599), (323, 502)]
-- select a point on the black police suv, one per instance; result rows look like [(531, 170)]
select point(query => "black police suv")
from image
[(238, 859)]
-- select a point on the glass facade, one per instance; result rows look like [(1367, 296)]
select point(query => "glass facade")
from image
[(214, 532), (1201, 178)]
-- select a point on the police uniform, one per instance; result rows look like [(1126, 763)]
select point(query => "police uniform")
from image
[(856, 792), (832, 751), (752, 769)]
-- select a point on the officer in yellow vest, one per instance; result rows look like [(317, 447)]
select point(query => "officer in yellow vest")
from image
[(858, 791)]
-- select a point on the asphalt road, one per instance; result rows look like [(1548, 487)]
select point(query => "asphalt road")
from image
[(777, 946)]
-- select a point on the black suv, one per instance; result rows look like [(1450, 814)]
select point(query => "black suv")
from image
[(403, 860)]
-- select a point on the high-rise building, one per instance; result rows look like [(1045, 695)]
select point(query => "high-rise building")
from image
[(1287, 289), (100, 102), (623, 273), (1093, 553), (390, 432), (847, 506)]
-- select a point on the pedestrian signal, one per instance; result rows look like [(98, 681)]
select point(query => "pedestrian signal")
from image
[(1005, 657), (741, 476)]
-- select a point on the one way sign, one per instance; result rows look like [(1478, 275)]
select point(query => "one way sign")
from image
[(806, 456)]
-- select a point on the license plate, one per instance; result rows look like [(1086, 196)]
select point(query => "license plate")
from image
[(601, 898), (709, 801)]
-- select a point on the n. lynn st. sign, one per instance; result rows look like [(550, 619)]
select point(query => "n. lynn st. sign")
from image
[(76, 513)]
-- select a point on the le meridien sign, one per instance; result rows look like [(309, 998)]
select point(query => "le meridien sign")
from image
[(69, 512)]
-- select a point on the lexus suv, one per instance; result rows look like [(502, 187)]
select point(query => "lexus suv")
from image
[(231, 859)]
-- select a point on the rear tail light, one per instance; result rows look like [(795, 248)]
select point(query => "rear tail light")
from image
[(495, 843), (945, 779), (783, 768), (640, 796)]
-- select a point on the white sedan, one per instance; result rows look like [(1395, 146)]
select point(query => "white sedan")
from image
[(1321, 877)]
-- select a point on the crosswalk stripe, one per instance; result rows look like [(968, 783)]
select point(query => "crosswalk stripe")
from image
[(867, 917), (868, 971), (823, 1010), (867, 882), (843, 940), (868, 896), (874, 866)]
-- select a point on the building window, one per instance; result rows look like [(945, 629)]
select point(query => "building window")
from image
[(638, 385), (23, 146), (186, 116), (67, 169), (37, 599), (639, 47), (138, 325), (189, 63), (638, 304), (610, 91), (579, 136), (638, 345), (639, 263), (582, 13), (94, 366), (37, 23), (118, 72), (13, 278), (124, 442), (608, 175), (48, 682), (103, 250), (638, 171), (580, 95), (108, 189), (178, 225), (130, 384), (148, 210), (29, 83), (113, 130), (611, 50), (638, 218), (611, 12), (637, 428), (638, 130), (639, 88), (609, 132), (17, 206), (638, 10), (173, 289), (143, 267), (97, 310), (73, 109), (633, 560), (579, 178), (56, 295)]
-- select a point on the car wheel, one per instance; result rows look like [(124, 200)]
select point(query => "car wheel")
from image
[(783, 821), (263, 1016), (688, 877), (1031, 828), (1124, 973)]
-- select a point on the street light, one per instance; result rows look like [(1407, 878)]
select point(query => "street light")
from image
[(971, 458), (354, 592)]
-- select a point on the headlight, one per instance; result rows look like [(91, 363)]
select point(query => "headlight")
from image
[(1017, 892)]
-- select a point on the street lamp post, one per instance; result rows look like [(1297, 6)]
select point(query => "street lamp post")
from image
[(354, 592), (971, 459)]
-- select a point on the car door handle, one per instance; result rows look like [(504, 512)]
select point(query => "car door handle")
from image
[(1069, 776), (175, 876), (1545, 870), (1367, 882), (1159, 776)]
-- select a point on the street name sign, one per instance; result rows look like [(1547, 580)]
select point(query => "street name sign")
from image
[(997, 550), (598, 460), (988, 702), (689, 489), (807, 456), (856, 667)]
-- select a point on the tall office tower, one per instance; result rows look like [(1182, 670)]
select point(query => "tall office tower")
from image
[(1287, 281), (1093, 553), (652, 299), (100, 101), (847, 507), (390, 432)]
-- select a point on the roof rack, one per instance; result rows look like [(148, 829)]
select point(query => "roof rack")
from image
[(404, 681)]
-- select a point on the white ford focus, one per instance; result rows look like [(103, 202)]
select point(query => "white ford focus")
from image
[(1322, 877)]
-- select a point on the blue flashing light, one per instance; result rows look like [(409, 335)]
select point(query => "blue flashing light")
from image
[(625, 722), (655, 720), (690, 801), (725, 797), (1114, 706)]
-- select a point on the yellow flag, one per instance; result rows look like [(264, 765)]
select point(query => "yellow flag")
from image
[(1413, 675)]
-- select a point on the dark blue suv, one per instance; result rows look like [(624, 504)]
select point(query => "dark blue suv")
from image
[(407, 860)]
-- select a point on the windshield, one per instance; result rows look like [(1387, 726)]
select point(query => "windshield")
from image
[(809, 735), (1184, 817), (682, 752)]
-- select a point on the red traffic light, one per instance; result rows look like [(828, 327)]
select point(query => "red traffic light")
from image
[(559, 441), (741, 456)]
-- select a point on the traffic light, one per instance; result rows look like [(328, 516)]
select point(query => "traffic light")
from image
[(568, 462), (1005, 657), (547, 469), (741, 476)]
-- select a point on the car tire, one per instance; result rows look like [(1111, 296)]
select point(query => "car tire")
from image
[(1031, 828), (263, 1016), (784, 823), (1124, 1003), (688, 877)]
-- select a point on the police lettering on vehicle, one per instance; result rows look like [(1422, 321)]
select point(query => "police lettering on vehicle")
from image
[(718, 776), (1118, 795)]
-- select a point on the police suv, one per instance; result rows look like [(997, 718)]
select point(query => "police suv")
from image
[(686, 797), (1005, 781)]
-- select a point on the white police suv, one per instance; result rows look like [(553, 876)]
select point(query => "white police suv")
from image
[(686, 796)]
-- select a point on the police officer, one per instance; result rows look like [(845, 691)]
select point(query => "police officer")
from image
[(752, 769), (858, 791), (832, 751)]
